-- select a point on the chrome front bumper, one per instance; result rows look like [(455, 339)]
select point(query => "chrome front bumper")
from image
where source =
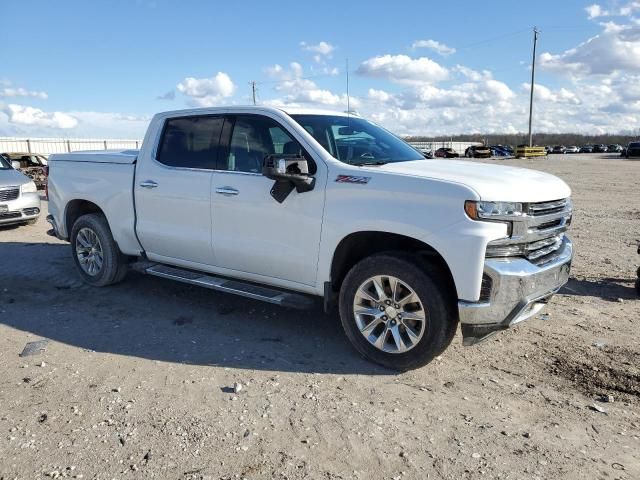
[(24, 208), (519, 290)]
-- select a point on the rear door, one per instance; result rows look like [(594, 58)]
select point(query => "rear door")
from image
[(252, 233), (173, 190)]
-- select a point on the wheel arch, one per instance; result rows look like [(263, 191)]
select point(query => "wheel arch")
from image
[(359, 245), (75, 209)]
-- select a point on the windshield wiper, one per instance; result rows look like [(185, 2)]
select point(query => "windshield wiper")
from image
[(377, 162)]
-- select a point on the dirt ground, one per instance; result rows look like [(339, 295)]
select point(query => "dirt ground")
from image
[(136, 380)]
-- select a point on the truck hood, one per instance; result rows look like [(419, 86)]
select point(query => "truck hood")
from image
[(12, 178), (491, 182)]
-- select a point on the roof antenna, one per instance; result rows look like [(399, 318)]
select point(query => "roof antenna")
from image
[(348, 98)]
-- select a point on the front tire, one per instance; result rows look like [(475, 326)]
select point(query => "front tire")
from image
[(395, 312), (96, 254)]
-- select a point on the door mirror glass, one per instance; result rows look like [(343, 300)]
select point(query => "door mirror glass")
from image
[(280, 166)]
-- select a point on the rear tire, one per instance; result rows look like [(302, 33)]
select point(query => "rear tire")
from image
[(95, 253), (407, 342)]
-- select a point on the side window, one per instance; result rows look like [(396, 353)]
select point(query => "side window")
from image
[(190, 142), (255, 137)]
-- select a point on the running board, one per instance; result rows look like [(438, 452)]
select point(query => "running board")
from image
[(249, 290)]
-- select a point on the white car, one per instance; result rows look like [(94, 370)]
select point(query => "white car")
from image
[(19, 199), (282, 206), (572, 149)]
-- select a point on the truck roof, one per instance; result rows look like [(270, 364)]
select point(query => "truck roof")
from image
[(256, 108)]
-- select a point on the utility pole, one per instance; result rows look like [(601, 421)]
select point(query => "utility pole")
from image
[(253, 91), (533, 79)]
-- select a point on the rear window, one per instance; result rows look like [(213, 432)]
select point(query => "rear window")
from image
[(191, 142), (634, 145)]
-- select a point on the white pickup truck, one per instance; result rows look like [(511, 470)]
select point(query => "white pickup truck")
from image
[(282, 206)]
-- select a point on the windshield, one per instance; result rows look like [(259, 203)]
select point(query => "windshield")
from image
[(357, 141), (634, 145), (4, 163)]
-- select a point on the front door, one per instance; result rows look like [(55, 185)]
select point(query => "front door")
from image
[(252, 233), (173, 190)]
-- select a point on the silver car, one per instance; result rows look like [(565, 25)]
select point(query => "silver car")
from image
[(19, 198)]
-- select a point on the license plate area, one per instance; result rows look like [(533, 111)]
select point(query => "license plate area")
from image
[(4, 208)]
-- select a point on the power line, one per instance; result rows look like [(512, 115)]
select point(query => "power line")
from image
[(491, 39)]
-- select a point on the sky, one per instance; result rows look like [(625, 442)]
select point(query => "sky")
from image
[(101, 69)]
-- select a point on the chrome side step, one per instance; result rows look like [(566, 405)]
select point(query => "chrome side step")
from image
[(249, 290)]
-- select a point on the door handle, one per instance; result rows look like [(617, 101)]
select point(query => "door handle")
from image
[(227, 191), (148, 184)]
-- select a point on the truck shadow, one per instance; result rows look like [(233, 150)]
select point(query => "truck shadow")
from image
[(611, 289), (158, 319)]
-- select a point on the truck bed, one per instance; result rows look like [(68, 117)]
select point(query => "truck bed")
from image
[(103, 177), (98, 156)]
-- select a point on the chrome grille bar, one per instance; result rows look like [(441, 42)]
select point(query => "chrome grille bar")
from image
[(9, 193)]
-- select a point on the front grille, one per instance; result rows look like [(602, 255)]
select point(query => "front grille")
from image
[(546, 208), (547, 224), (4, 216), (9, 193), (538, 234)]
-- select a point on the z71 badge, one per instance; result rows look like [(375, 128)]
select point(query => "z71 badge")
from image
[(352, 179)]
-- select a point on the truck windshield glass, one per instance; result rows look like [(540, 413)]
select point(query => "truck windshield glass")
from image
[(4, 163), (356, 141)]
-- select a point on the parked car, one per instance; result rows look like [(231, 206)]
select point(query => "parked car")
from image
[(633, 150), (32, 165), (547, 148), (477, 151), (19, 199), (273, 212), (507, 148), (497, 151), (426, 153), (558, 149), (572, 149), (600, 148), (615, 148), (586, 149), (446, 152)]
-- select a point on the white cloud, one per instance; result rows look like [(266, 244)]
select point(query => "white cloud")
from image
[(22, 92), (403, 69), (434, 45), (208, 92), (595, 11), (322, 49), (471, 74), (615, 49), (545, 94), (25, 115), (297, 90)]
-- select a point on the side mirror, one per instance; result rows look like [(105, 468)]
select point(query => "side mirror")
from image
[(289, 171), (15, 165)]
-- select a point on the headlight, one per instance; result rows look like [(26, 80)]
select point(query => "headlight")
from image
[(492, 210), (29, 188)]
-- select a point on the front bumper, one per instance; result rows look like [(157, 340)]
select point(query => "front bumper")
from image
[(519, 290), (24, 208)]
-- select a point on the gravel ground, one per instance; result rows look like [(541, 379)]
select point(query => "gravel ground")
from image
[(137, 380)]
